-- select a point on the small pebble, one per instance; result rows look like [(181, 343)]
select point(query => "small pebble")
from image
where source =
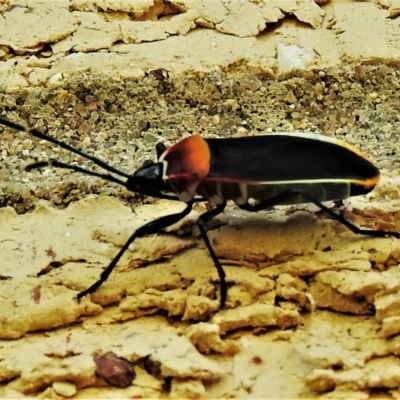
[(65, 389)]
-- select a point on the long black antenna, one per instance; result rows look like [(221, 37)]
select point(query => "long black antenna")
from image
[(59, 164), (43, 136)]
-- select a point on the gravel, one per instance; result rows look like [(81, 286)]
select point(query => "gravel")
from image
[(120, 122)]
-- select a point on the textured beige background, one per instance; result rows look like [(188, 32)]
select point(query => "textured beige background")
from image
[(313, 310)]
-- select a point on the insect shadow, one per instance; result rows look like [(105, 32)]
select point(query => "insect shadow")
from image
[(256, 173)]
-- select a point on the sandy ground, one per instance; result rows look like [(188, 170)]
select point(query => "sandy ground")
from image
[(313, 310)]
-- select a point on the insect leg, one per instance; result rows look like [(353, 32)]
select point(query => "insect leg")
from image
[(201, 221), (353, 228), (290, 193), (147, 229)]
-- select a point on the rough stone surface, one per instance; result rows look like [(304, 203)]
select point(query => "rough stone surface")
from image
[(312, 311)]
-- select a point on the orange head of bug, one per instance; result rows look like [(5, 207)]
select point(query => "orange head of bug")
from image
[(186, 164)]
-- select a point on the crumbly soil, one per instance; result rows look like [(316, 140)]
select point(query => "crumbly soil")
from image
[(313, 310)]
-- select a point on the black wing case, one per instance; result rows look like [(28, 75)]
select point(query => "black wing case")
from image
[(273, 158)]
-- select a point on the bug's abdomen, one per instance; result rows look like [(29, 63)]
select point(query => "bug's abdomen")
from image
[(320, 192), (219, 191)]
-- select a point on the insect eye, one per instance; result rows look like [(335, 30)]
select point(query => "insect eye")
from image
[(147, 180), (150, 170), (160, 149), (147, 163)]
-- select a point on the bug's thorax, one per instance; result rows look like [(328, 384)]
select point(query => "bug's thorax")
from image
[(185, 165)]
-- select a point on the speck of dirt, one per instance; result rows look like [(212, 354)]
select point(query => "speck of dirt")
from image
[(114, 370)]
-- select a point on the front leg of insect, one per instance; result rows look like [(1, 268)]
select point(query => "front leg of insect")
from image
[(147, 180), (150, 228)]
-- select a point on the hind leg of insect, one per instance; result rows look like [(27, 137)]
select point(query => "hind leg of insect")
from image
[(147, 229), (287, 194), (201, 222)]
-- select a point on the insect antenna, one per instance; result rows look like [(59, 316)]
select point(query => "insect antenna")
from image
[(75, 168), (95, 160), (36, 133)]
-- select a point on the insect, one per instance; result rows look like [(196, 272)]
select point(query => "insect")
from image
[(269, 170)]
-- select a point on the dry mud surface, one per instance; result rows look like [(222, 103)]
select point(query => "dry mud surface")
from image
[(313, 310)]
